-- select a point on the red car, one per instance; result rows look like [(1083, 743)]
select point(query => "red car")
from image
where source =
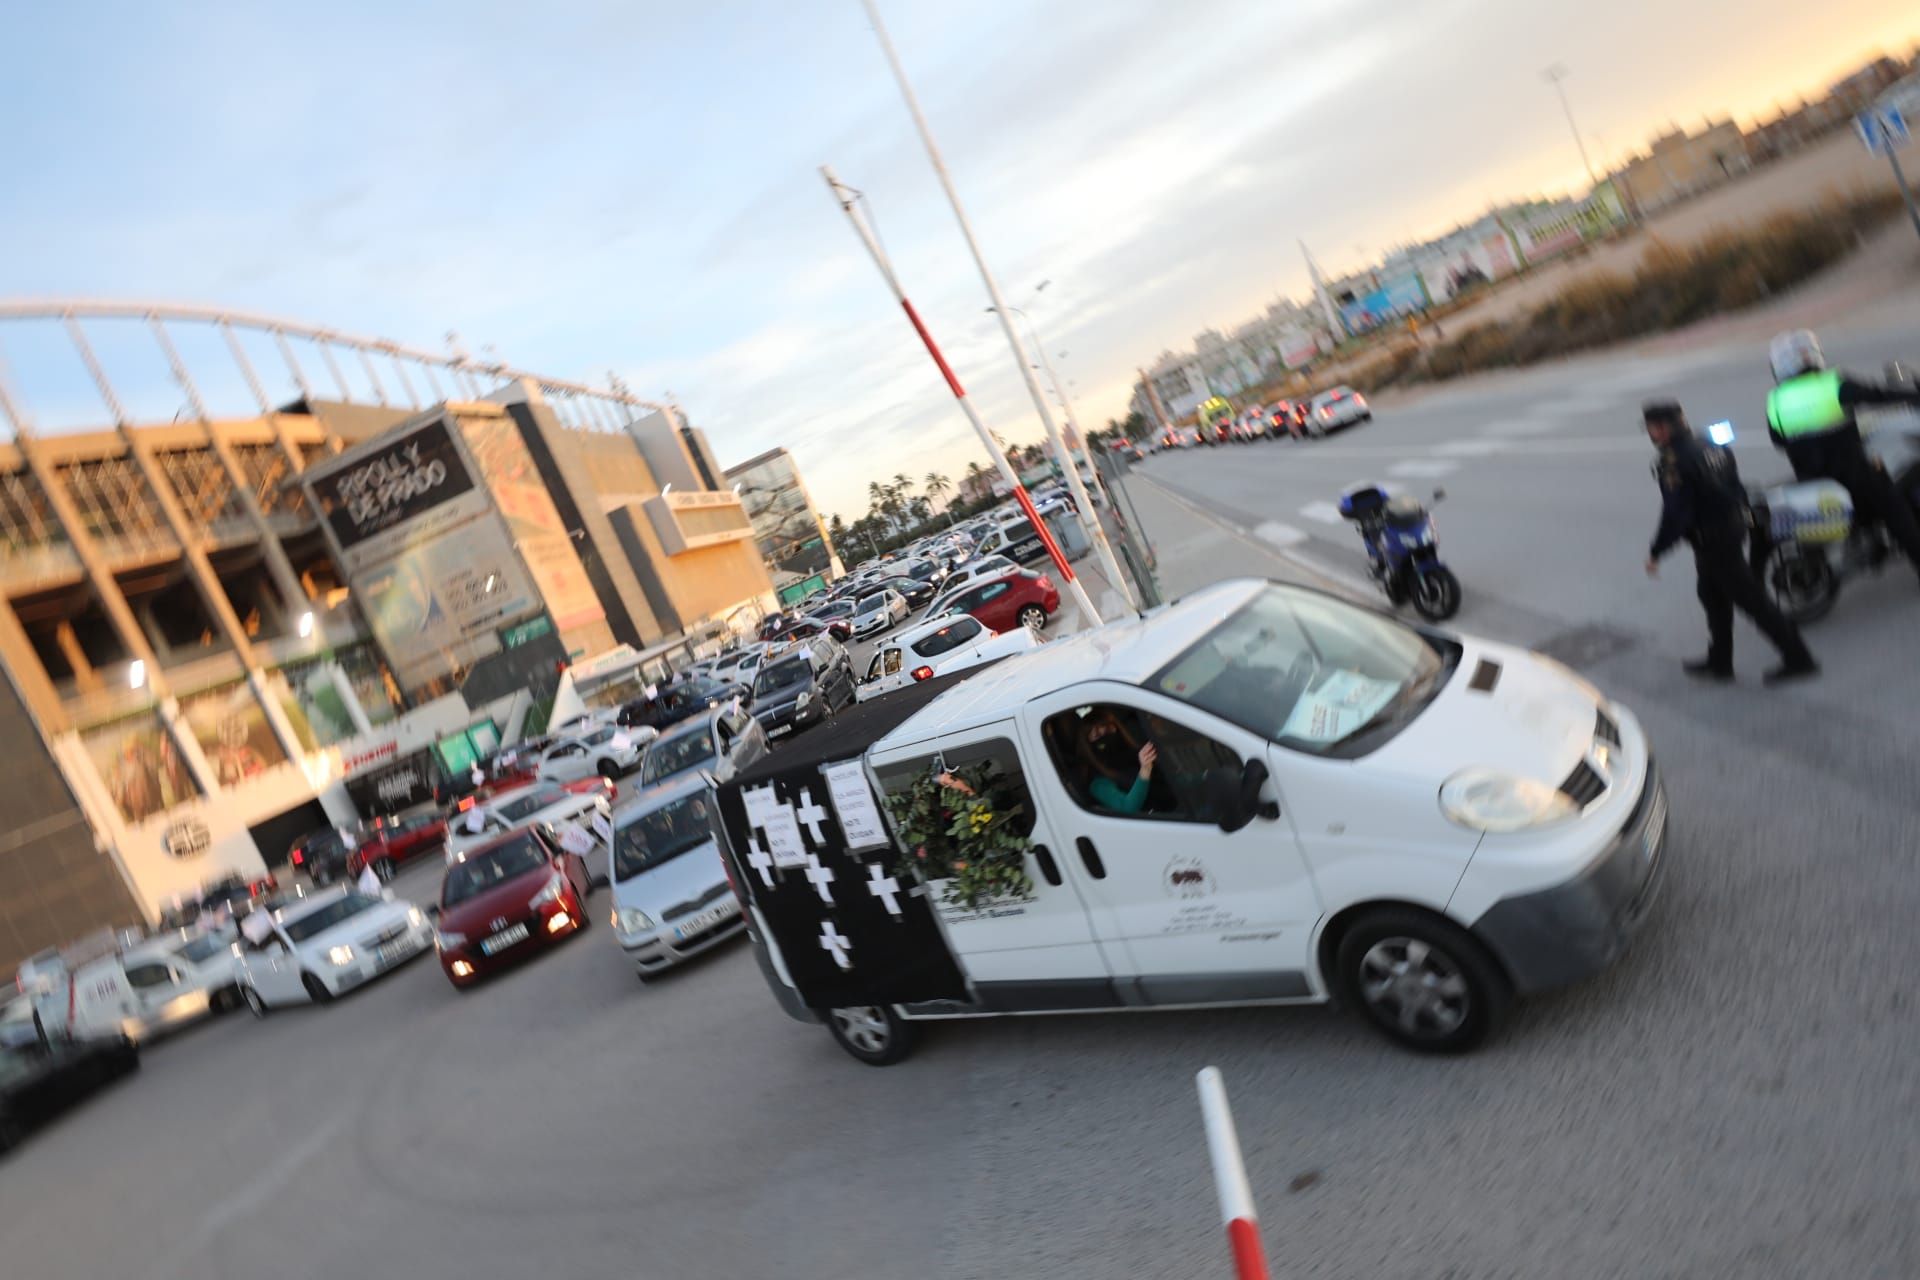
[(506, 899), (392, 841), (1018, 599)]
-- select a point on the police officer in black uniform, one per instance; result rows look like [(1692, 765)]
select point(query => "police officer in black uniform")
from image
[(1705, 505)]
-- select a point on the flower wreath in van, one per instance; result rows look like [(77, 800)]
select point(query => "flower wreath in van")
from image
[(958, 826)]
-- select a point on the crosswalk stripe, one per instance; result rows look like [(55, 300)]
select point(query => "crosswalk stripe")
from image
[(1280, 535)]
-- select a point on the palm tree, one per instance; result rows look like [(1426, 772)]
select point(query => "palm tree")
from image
[(936, 484)]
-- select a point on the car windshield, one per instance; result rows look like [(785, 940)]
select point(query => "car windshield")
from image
[(1310, 672), (205, 946), (947, 638), (669, 756), (873, 603), (530, 802), (324, 918), (662, 834), (483, 871), (782, 676)]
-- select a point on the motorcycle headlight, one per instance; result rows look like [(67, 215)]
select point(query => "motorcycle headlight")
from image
[(337, 956), (1490, 800), (448, 940), (555, 887), (631, 920)]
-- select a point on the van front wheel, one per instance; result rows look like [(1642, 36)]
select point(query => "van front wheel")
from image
[(874, 1034), (1422, 981)]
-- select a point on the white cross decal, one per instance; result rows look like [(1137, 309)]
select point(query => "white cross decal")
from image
[(883, 886), (761, 860), (831, 939), (821, 876), (811, 813)]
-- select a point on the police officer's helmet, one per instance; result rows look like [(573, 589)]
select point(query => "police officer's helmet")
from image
[(1795, 352)]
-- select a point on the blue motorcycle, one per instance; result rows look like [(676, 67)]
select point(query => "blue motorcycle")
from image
[(1402, 551)]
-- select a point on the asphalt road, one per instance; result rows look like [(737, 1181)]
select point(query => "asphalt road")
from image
[(1736, 1098)]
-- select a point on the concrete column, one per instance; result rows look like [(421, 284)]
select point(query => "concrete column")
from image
[(70, 648), (30, 677), (349, 698)]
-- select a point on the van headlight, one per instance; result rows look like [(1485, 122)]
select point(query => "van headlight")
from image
[(337, 956), (631, 920), (1491, 800)]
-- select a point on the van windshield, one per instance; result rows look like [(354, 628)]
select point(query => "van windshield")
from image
[(1311, 672), (660, 835)]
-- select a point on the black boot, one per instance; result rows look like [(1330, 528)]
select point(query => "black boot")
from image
[(1792, 669), (1708, 668)]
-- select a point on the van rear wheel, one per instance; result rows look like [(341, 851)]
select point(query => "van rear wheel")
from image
[(874, 1034)]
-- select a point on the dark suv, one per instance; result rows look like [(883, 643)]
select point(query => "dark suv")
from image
[(323, 854), (802, 686)]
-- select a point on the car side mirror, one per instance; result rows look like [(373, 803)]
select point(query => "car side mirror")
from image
[(1235, 800)]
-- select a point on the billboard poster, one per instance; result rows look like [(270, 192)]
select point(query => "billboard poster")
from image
[(232, 729), (438, 605), (522, 498), (140, 767), (1388, 301), (393, 787), (392, 484)]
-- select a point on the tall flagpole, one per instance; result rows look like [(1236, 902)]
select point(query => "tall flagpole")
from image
[(848, 198), (1089, 518)]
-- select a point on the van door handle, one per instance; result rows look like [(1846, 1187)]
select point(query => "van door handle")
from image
[(1048, 867), (1091, 856)]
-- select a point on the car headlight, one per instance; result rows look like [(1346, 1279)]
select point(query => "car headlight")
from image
[(555, 887), (1490, 800), (800, 703), (414, 918), (338, 956), (448, 940), (631, 920)]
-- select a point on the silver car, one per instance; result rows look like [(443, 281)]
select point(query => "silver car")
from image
[(671, 899)]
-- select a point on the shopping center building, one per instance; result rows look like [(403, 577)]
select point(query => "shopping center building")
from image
[(793, 539), (225, 631)]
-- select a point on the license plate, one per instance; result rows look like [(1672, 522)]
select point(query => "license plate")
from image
[(778, 729), (502, 940), (702, 922)]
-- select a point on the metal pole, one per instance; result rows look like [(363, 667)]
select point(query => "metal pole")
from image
[(1553, 75), (406, 384), (1900, 177), (333, 367), (1089, 518), (845, 197), (366, 362)]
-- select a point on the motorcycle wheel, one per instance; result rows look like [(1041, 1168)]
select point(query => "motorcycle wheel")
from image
[(1801, 583), (1436, 594)]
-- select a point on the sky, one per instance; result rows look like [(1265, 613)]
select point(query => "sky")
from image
[(586, 188)]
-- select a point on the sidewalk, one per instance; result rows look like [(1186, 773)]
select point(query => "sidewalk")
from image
[(1193, 549)]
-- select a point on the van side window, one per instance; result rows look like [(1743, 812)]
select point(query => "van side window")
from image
[(1006, 780), (1096, 751)]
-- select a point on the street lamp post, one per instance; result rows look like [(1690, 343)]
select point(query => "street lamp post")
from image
[(1554, 75)]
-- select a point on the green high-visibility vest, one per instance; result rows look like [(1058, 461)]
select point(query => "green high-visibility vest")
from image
[(1807, 405)]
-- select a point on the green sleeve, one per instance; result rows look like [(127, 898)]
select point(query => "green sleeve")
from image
[(1108, 795)]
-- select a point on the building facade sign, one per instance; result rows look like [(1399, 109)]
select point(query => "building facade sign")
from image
[(395, 483)]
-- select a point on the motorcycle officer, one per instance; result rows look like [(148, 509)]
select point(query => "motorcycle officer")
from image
[(1811, 414), (1703, 503)]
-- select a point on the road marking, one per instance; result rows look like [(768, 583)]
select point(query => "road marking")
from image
[(1324, 512), (1469, 448), (1281, 535), (1423, 467), (1519, 427), (261, 1184)]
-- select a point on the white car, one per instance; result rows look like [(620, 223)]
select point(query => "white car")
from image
[(1343, 808), (671, 899), (312, 949), (1340, 407), (608, 750), (938, 647), (877, 612), (546, 804), (741, 665), (965, 576)]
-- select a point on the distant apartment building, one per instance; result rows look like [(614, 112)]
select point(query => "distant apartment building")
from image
[(1679, 165), (793, 541)]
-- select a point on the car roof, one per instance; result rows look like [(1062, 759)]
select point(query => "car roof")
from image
[(675, 787), (691, 725), (491, 843), (1127, 652)]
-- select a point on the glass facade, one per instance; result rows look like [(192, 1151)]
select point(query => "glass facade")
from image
[(788, 529)]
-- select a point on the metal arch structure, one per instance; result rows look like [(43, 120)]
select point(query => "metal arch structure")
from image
[(601, 409)]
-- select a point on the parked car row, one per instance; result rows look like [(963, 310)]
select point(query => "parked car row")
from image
[(1332, 410)]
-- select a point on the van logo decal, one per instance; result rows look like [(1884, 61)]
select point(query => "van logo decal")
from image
[(1188, 878)]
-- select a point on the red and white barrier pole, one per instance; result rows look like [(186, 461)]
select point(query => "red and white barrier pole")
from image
[(1230, 1179), (847, 198)]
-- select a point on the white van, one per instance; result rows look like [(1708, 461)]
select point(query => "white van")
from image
[(98, 989)]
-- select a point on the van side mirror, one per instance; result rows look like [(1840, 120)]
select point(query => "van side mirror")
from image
[(1235, 800)]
